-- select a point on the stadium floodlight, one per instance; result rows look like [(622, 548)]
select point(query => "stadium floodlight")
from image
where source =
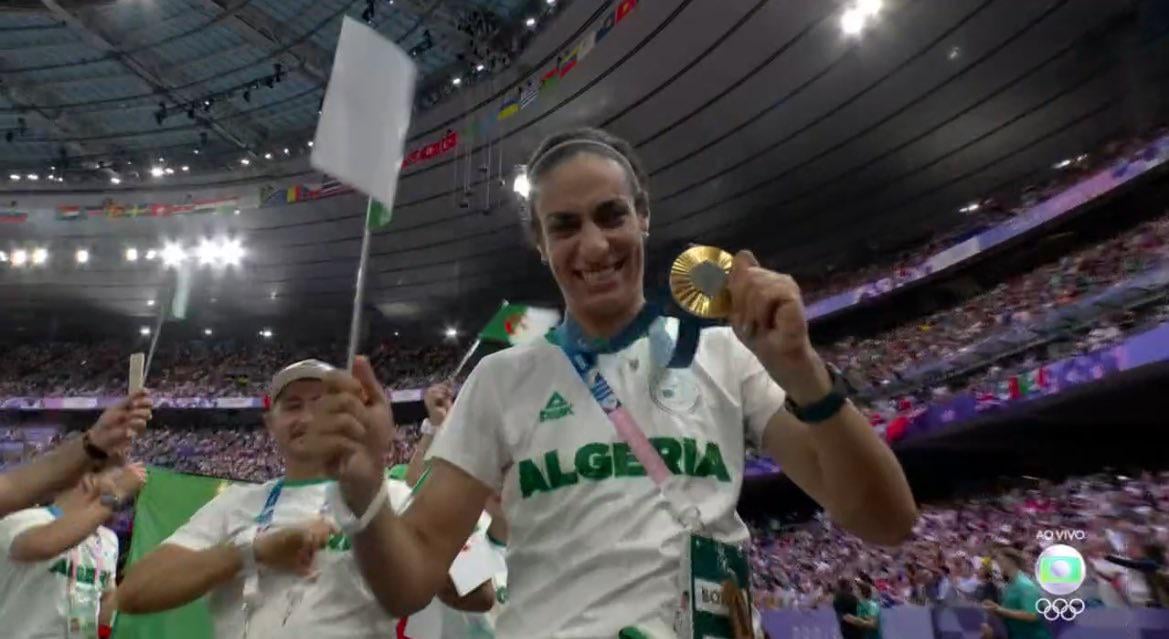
[(852, 22), (452, 332), (172, 254), (82, 256), (33, 177), (19, 257), (267, 156), (157, 171), (522, 186), (115, 180), (3, 256), (131, 254), (186, 168), (150, 302), (245, 161), (169, 171), (266, 333), (231, 252), (456, 80), (479, 67), (144, 331), (530, 22), (208, 252), (151, 254), (40, 255), (15, 177), (207, 332), (1062, 164)]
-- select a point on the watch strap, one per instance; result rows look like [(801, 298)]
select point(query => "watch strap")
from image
[(824, 408), (91, 449)]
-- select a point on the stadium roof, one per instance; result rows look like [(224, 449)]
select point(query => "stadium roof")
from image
[(762, 123)]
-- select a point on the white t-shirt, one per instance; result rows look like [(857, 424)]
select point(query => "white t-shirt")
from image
[(33, 595), (592, 548), (337, 604)]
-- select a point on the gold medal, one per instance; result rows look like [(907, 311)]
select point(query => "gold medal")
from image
[(698, 281)]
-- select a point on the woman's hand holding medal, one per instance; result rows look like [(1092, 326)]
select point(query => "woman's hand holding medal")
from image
[(767, 314), (352, 426)]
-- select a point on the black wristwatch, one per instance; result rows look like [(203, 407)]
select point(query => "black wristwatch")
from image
[(826, 407), (94, 453)]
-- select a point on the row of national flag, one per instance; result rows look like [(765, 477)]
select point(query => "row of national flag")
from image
[(538, 85)]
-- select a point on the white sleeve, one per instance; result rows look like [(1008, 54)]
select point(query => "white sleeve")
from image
[(18, 522), (472, 437), (208, 527), (762, 398)]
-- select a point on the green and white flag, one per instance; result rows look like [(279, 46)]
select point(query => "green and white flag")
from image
[(377, 215), (519, 324)]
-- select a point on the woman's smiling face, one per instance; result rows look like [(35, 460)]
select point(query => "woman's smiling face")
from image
[(592, 235)]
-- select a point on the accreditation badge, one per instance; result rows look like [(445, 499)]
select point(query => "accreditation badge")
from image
[(713, 572), (81, 617)]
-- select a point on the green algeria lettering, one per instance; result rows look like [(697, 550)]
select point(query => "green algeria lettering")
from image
[(598, 462)]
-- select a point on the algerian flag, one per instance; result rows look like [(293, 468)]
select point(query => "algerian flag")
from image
[(519, 324)]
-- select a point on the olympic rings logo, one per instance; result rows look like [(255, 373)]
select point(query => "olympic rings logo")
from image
[(1066, 609)]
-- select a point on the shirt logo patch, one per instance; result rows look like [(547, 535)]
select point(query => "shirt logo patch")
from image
[(556, 408), (676, 392)]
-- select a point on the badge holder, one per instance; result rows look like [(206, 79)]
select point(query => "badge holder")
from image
[(709, 567)]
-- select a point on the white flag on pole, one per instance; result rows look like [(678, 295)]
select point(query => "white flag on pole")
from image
[(362, 129)]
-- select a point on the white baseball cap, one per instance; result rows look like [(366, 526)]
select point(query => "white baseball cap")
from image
[(304, 369)]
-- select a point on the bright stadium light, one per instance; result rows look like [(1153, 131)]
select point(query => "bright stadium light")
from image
[(157, 171), (115, 180), (172, 255), (852, 22), (522, 186), (144, 331), (151, 254), (267, 156), (245, 161), (231, 252), (869, 8), (452, 332), (169, 171), (15, 177), (1062, 164), (266, 333), (19, 257), (3, 256), (33, 177), (207, 332), (186, 168), (530, 22), (480, 67), (456, 80), (82, 256), (40, 255), (208, 252), (150, 302), (131, 254)]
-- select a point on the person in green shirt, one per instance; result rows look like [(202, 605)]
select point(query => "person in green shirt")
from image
[(868, 612), (1017, 609)]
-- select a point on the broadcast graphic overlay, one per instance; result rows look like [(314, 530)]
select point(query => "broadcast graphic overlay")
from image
[(1060, 571)]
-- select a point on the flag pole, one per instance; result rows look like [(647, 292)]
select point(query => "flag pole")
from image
[(470, 351), (359, 294), (163, 302)]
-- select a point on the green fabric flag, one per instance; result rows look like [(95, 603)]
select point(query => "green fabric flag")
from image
[(166, 502), (377, 215), (519, 324)]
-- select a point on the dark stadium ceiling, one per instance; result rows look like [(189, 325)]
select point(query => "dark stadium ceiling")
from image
[(762, 124)]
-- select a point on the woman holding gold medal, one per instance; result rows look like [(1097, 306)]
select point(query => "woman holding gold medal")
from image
[(617, 444)]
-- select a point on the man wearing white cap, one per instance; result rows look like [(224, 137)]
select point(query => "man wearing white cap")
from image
[(272, 556)]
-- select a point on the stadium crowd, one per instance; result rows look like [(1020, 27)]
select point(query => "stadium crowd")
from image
[(198, 368), (880, 359), (884, 262), (943, 562)]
